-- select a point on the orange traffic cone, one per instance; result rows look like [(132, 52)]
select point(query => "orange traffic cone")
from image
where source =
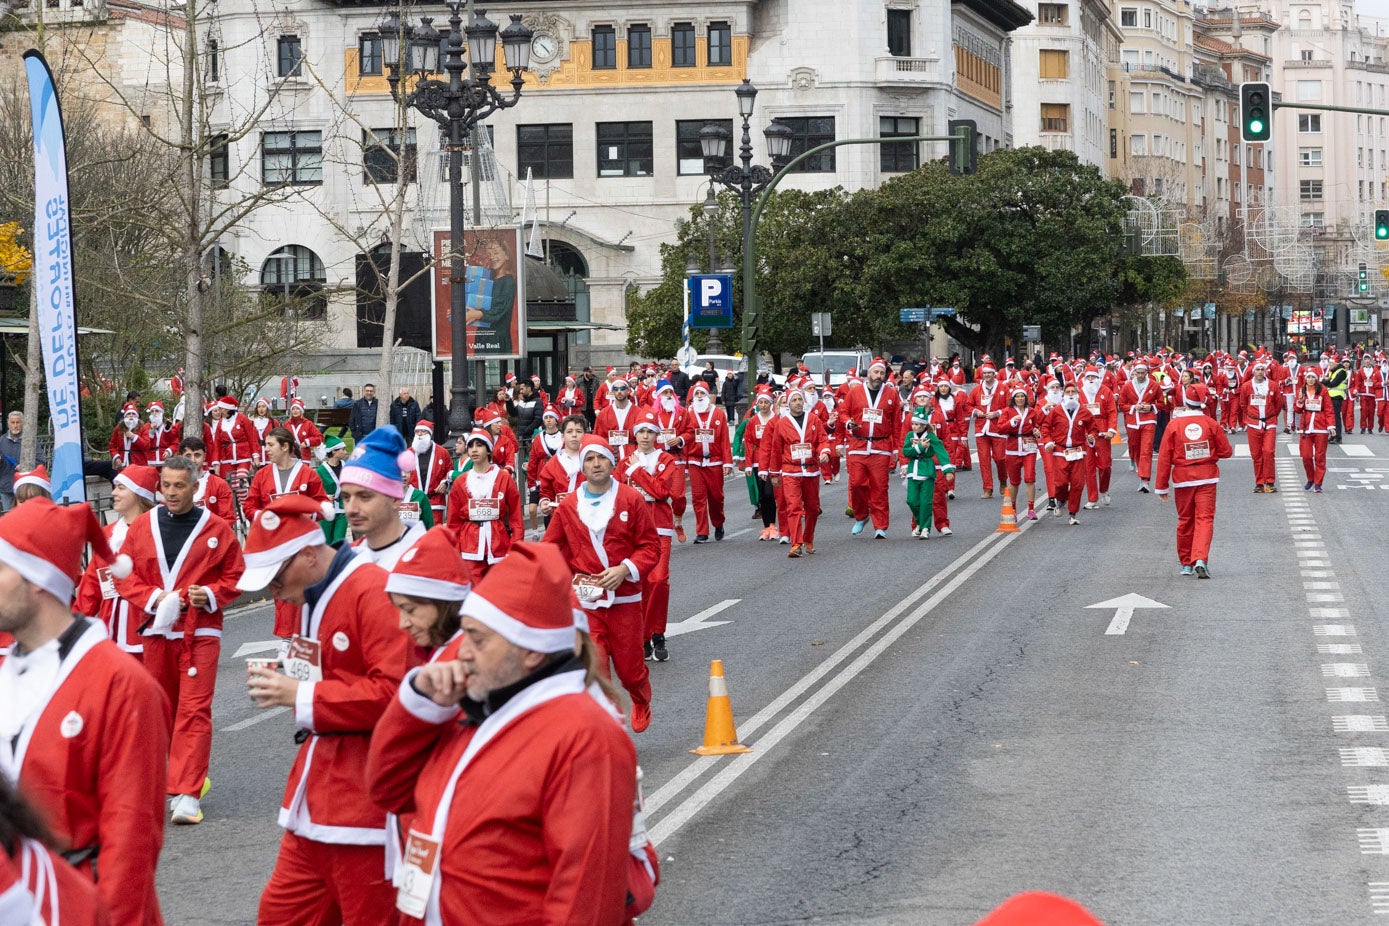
[(1008, 518), (1117, 438), (720, 736)]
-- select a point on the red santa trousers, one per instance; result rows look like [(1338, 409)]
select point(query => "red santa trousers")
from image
[(677, 492), (868, 487), (1141, 450), (1383, 409), (1367, 412), (991, 454), (1021, 469), (783, 524), (1195, 522), (1313, 449), (1099, 466), (956, 447), (803, 506), (706, 489), (318, 883), (191, 696), (1070, 482), (1348, 414), (1229, 414), (619, 633), (655, 592), (1263, 448)]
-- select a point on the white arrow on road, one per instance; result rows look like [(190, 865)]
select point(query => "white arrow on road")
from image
[(250, 649), (1124, 607), (701, 620)]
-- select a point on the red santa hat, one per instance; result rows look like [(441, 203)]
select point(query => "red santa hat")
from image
[(130, 408), (763, 392), (155, 406), (569, 380), (226, 403), (1037, 908), (281, 529), (510, 378), (986, 367), (1141, 365), (432, 569), (38, 476), (296, 402), (1092, 370), (877, 362), (592, 443), (551, 412), (699, 386), (526, 598), (1195, 395), (619, 381), (43, 542), (142, 480), (481, 434), (647, 420), (611, 371), (425, 426), (486, 417)]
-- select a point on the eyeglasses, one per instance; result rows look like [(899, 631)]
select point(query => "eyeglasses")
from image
[(279, 580)]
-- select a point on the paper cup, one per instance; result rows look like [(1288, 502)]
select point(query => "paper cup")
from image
[(263, 662)]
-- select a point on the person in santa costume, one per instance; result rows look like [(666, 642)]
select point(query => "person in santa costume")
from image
[(484, 508), (793, 447), (610, 542), (342, 667), (238, 444), (373, 485), (427, 586), (1365, 383), (37, 885), (262, 420), (158, 438), (1315, 420), (950, 422), (747, 445), (563, 472), (1067, 431), (1189, 459), (32, 484), (708, 458), (125, 437), (84, 730), (1099, 462), (212, 492), (871, 408), (653, 473), (925, 456), (187, 562), (305, 432), (671, 416), (1140, 400), (1259, 402), (329, 471), (615, 419), (133, 492), (522, 713), (504, 444), (432, 464), (1021, 427), (546, 443), (1382, 393), (571, 398), (987, 401)]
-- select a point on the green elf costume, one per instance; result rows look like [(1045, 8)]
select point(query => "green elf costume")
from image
[(329, 470), (925, 457)]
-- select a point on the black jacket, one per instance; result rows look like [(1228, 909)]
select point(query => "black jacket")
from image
[(589, 384), (362, 420), (529, 414), (405, 416), (681, 381), (730, 393)]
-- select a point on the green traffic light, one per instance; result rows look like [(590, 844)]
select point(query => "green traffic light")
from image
[(1256, 126), (1382, 232)]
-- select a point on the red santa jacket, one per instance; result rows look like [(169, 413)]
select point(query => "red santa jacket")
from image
[(97, 596), (617, 530), (984, 403), (656, 477), (1103, 407), (1067, 431), (363, 657), (570, 401), (871, 421), (505, 450), (1315, 413), (792, 449), (614, 425), (306, 434), (124, 445), (266, 486), (1131, 397), (672, 425), (440, 467), (560, 475), (550, 843), (485, 513), (263, 426), (237, 443), (38, 886), (705, 438), (156, 445), (1191, 447), (211, 558), (1018, 427), (543, 447), (1366, 384), (1259, 412), (754, 433), (93, 760), (216, 496)]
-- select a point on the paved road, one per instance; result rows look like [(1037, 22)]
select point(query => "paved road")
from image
[(940, 723)]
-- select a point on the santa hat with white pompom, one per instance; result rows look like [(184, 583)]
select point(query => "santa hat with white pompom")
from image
[(43, 542), (379, 462)]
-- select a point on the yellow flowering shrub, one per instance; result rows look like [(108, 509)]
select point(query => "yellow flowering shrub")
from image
[(15, 259)]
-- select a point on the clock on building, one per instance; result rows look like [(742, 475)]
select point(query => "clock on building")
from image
[(544, 46)]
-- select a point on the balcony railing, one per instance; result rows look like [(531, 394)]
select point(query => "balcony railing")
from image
[(892, 69)]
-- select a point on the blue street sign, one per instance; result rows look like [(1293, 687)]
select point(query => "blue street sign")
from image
[(711, 300), (942, 312), (908, 316)]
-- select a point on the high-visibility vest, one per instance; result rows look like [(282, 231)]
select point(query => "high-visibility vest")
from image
[(1337, 383)]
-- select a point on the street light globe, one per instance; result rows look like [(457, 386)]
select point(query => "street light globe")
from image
[(747, 97), (713, 141), (516, 42), (482, 43), (424, 48), (779, 138), (390, 31)]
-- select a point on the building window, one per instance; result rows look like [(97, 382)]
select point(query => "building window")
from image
[(604, 48), (1307, 56), (219, 162), (1308, 90), (1053, 14), (1314, 219), (294, 277), (1128, 17), (1056, 117), (1054, 64), (291, 158), (624, 149), (902, 156), (1113, 143), (546, 150), (1138, 145), (682, 45), (720, 45), (689, 157), (289, 57), (214, 61), (1138, 102), (810, 132), (1111, 94), (1309, 123), (369, 59), (383, 158), (1309, 157), (1309, 191), (899, 33), (1147, 19), (639, 46)]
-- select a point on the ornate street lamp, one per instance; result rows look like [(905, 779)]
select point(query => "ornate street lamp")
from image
[(457, 105)]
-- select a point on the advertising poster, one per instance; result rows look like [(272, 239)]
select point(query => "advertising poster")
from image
[(494, 294)]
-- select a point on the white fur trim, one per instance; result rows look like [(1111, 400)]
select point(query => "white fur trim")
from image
[(425, 587), (536, 639), (420, 707), (122, 566), (303, 706), (132, 485)]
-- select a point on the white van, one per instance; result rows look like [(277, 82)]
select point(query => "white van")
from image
[(838, 363)]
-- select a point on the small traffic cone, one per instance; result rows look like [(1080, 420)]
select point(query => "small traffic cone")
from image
[(1117, 438), (720, 736), (1008, 518)]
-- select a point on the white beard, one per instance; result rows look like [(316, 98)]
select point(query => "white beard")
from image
[(157, 420), (421, 443), (227, 422), (1091, 390), (132, 423), (668, 402), (700, 404)]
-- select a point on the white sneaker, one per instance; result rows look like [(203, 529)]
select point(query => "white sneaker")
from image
[(916, 532), (945, 532), (785, 538), (925, 534), (836, 477), (1091, 506), (1144, 488), (1104, 499), (1074, 521), (187, 811), (1056, 512), (950, 494)]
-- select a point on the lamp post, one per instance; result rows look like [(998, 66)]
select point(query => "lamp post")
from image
[(747, 180), (457, 105)]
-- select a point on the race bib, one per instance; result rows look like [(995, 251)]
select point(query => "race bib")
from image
[(304, 660), (484, 509), (1313, 405), (560, 496), (617, 438), (757, 432), (1074, 453), (872, 416), (1258, 401), (409, 511), (276, 495), (1094, 408), (1198, 450), (1029, 446), (704, 435), (586, 587), (418, 867), (800, 453), (668, 437), (108, 584)]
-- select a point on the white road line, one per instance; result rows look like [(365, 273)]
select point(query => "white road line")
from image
[(1335, 695), (1309, 554), (1241, 450), (1338, 649), (1360, 723), (1308, 542), (1368, 794), (1345, 670), (1356, 450), (1373, 841), (685, 811), (252, 721), (1324, 597), (1318, 574), (1311, 586), (1364, 757), (1328, 613), (1379, 896), (1333, 630)]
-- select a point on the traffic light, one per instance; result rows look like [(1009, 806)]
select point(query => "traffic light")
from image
[(1382, 224), (1255, 112), (964, 154), (1364, 280)]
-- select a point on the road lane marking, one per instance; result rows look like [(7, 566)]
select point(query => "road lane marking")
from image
[(1360, 723), (701, 620), (1364, 757), (1333, 630), (1326, 613), (1318, 574), (1338, 649), (1124, 607), (252, 721), (1311, 586), (261, 646), (1324, 597), (1356, 450), (1368, 794), (1373, 841), (1379, 897), (1345, 670), (1335, 695)]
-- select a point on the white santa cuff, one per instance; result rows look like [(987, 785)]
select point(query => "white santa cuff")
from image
[(420, 707), (303, 706), (1161, 491), (632, 568), (211, 606)]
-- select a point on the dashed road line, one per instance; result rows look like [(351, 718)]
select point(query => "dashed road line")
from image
[(1338, 649), (1345, 670), (1373, 841), (252, 721), (1334, 695), (1360, 723), (1364, 757)]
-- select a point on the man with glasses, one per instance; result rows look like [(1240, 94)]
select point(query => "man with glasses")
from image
[(615, 421)]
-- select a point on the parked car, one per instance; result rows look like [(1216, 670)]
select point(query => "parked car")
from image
[(837, 363)]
